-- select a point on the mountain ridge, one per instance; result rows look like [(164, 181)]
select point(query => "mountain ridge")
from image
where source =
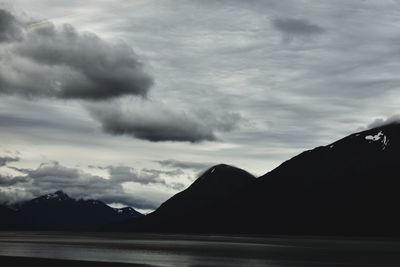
[(59, 212), (348, 187)]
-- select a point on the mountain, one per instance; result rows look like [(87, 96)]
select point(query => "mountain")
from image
[(349, 187), (127, 213), (57, 211), (214, 185), (8, 218)]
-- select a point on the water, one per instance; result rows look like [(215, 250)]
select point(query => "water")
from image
[(187, 250)]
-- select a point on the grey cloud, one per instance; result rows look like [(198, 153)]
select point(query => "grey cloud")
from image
[(176, 172), (9, 27), (184, 164), (21, 170), (381, 122), (62, 63), (128, 174), (177, 186), (6, 159), (155, 122), (52, 176), (145, 176), (6, 181), (298, 96), (296, 26), (173, 173), (10, 194)]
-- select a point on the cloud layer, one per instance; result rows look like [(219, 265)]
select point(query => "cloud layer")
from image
[(4, 160), (59, 62), (156, 122), (380, 122), (197, 166), (300, 73), (295, 26), (52, 176), (62, 63), (10, 28)]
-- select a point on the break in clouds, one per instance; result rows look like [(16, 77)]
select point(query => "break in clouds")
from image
[(43, 61)]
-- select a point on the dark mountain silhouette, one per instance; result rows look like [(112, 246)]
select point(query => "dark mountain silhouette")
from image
[(58, 211), (350, 187), (213, 186), (8, 219), (127, 213)]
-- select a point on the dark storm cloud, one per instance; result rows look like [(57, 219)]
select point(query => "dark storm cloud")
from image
[(159, 123), (4, 160), (296, 26), (9, 27), (197, 166), (62, 63)]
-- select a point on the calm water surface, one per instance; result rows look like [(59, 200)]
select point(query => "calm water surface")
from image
[(187, 250)]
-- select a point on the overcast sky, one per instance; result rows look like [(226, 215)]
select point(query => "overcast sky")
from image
[(128, 101)]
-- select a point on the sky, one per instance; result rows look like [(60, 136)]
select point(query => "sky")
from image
[(129, 101)]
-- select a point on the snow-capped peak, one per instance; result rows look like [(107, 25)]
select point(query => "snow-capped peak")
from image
[(56, 195)]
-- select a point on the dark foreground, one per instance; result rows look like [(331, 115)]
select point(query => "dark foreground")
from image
[(120, 249)]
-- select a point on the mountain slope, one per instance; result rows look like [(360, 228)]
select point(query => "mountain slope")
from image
[(58, 211), (350, 187), (215, 184), (127, 213), (177, 213), (8, 219)]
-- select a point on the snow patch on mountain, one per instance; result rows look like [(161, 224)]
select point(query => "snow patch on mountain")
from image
[(379, 137)]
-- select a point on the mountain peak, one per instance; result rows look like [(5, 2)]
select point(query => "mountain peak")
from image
[(223, 173), (58, 211), (216, 183), (221, 166), (378, 139), (58, 195), (128, 211)]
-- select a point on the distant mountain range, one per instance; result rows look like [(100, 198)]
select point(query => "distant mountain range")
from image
[(349, 187), (59, 212)]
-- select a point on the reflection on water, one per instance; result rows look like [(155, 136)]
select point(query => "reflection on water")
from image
[(158, 258), (183, 250)]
